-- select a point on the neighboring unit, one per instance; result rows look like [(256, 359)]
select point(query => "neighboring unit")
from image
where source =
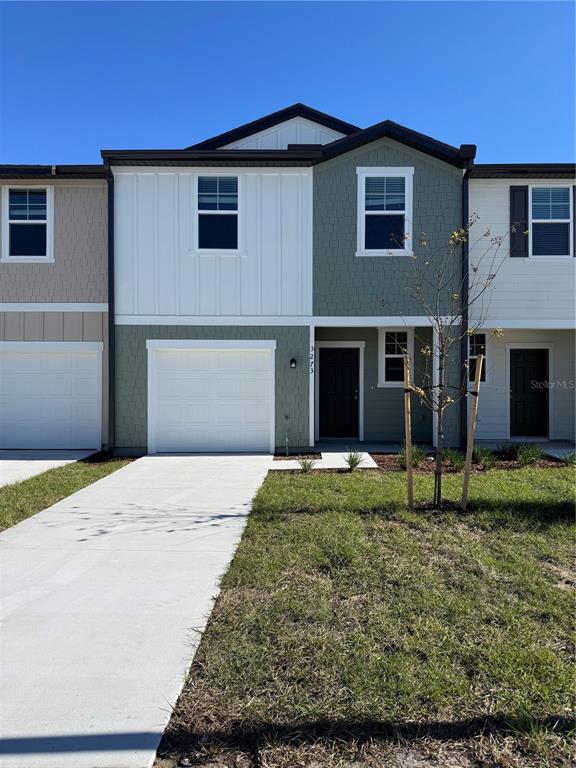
[(53, 307), (528, 384)]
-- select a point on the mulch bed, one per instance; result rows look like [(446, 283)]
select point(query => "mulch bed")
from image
[(388, 462)]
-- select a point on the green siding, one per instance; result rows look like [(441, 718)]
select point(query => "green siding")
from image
[(345, 284), (383, 406), (132, 377)]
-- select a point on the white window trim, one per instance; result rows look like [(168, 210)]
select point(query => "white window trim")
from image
[(239, 251), (360, 346), (382, 383), (49, 257), (551, 221), (362, 173), (486, 358)]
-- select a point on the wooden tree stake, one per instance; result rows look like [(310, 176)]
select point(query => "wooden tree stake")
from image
[(470, 444), (408, 433)]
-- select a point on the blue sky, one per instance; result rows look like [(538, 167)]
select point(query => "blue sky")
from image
[(79, 77)]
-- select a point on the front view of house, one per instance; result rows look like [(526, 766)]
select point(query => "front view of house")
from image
[(261, 285)]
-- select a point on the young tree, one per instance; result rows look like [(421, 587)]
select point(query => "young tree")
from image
[(455, 301)]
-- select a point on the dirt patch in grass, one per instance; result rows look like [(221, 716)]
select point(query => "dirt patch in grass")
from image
[(296, 456), (351, 633)]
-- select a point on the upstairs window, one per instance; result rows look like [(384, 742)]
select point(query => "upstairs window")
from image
[(393, 345), (550, 225), (476, 346), (27, 224), (384, 211), (218, 213)]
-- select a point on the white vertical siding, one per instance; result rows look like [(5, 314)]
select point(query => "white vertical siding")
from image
[(531, 292), (159, 271), (492, 423), (295, 131)]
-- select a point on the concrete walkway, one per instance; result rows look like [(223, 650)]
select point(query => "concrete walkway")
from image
[(102, 597), (20, 465)]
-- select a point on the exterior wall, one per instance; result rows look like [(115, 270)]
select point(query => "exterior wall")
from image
[(383, 406), (345, 284), (492, 422), (534, 292), (79, 271), (292, 400), (159, 270), (295, 131), (62, 326)]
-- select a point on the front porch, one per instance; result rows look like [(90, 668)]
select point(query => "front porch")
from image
[(359, 391)]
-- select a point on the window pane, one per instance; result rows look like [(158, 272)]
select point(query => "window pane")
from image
[(551, 239), (218, 193), (385, 193), (27, 239), (472, 369), (375, 193), (395, 193), (551, 203), (396, 342), (384, 233), (27, 204), (218, 231), (394, 370), (478, 344)]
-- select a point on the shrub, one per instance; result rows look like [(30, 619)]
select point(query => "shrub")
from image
[(353, 459), (306, 465), (485, 457), (528, 453), (418, 455), (507, 452), (570, 459), (454, 458)]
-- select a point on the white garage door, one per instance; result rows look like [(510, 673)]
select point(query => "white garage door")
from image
[(50, 395), (206, 399)]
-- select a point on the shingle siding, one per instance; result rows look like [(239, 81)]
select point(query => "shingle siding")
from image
[(79, 272), (292, 401), (377, 285)]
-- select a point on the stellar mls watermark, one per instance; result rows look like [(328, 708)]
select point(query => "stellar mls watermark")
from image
[(557, 384)]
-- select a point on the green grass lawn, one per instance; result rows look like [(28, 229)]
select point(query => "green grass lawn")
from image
[(348, 629), (20, 500)]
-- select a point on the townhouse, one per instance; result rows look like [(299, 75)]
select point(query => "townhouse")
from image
[(53, 307), (260, 286)]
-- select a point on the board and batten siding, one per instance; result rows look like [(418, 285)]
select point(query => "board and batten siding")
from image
[(299, 130), (527, 292), (493, 405), (160, 272)]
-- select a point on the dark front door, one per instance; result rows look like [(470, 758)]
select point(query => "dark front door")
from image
[(528, 393), (339, 391)]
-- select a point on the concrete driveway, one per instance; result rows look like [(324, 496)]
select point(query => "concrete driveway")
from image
[(20, 465), (102, 597)]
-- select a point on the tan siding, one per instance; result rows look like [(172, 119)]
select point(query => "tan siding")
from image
[(79, 271), (61, 326)]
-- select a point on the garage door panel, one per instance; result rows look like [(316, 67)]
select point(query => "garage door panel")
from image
[(211, 400), (50, 398)]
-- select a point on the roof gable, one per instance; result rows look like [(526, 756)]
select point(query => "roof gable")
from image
[(231, 139)]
